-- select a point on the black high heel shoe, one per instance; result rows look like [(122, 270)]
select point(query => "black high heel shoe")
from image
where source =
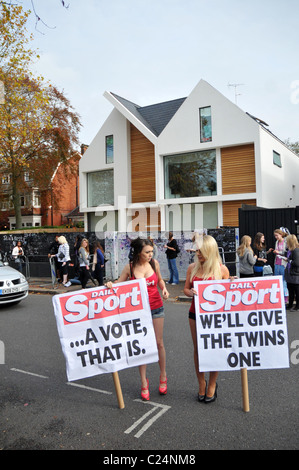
[(213, 398), (202, 397)]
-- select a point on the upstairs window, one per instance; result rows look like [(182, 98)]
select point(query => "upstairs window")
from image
[(109, 149), (190, 175), (36, 199), (277, 159), (5, 179), (205, 120)]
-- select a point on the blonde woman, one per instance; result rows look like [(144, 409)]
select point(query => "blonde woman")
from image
[(247, 259), (207, 266), (63, 257), (292, 272)]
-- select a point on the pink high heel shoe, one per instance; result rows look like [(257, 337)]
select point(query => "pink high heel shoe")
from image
[(163, 387), (145, 396)]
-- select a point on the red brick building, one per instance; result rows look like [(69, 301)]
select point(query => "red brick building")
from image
[(43, 207)]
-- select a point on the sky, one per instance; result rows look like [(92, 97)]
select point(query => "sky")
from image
[(150, 51)]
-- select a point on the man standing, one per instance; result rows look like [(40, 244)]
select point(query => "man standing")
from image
[(172, 251)]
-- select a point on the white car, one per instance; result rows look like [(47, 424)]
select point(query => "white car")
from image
[(13, 285)]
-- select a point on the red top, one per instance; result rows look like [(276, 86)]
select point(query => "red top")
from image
[(192, 307), (155, 300)]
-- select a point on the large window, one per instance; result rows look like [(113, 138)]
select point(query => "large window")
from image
[(100, 188), (205, 120), (109, 149), (190, 175)]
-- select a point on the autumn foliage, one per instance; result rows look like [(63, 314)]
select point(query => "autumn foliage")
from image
[(38, 126)]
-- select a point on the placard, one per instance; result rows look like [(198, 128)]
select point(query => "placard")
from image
[(241, 324), (105, 330)]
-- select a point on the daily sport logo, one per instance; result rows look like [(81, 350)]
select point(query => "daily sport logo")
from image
[(241, 324), (105, 330), (100, 303), (236, 296)]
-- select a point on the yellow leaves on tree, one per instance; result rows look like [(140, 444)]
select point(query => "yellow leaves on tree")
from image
[(37, 122)]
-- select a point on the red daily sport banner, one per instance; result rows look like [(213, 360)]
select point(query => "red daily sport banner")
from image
[(241, 324), (105, 330)]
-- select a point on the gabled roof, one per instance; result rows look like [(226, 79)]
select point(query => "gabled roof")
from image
[(156, 116)]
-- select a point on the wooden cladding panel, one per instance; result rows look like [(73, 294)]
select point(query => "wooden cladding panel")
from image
[(143, 178), (146, 219), (231, 213), (238, 169)]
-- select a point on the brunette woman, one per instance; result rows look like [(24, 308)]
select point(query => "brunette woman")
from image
[(144, 266), (292, 272), (260, 250), (206, 267), (98, 262)]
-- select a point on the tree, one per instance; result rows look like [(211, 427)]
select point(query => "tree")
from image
[(38, 19), (38, 126), (294, 146), (38, 129), (14, 40)]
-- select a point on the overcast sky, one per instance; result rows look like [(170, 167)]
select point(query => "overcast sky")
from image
[(150, 51)]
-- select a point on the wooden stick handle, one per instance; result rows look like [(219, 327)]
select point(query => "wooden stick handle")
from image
[(245, 393), (118, 390)]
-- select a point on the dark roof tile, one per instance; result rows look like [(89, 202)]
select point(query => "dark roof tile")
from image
[(156, 116)]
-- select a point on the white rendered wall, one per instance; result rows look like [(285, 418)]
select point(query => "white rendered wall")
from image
[(230, 126), (280, 187), (94, 159)]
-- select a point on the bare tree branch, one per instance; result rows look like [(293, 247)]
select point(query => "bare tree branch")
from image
[(37, 17)]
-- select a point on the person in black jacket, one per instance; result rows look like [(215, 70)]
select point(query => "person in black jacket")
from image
[(260, 250), (53, 250), (292, 272), (172, 250)]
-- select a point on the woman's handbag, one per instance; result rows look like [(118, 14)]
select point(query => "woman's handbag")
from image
[(267, 270)]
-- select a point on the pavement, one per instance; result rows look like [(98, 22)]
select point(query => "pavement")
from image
[(45, 286)]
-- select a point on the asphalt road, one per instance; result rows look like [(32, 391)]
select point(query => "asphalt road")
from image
[(39, 410)]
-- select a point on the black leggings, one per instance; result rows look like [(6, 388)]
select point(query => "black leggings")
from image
[(84, 275), (293, 293), (99, 274)]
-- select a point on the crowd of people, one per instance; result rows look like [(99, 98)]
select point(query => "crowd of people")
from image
[(89, 262), (253, 262), (207, 265)]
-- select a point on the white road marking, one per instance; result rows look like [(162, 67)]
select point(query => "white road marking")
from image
[(29, 373), (89, 388), (156, 406)]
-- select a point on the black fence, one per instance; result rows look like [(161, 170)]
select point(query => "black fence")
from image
[(36, 247)]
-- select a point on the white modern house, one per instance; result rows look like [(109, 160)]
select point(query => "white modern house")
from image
[(184, 164)]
